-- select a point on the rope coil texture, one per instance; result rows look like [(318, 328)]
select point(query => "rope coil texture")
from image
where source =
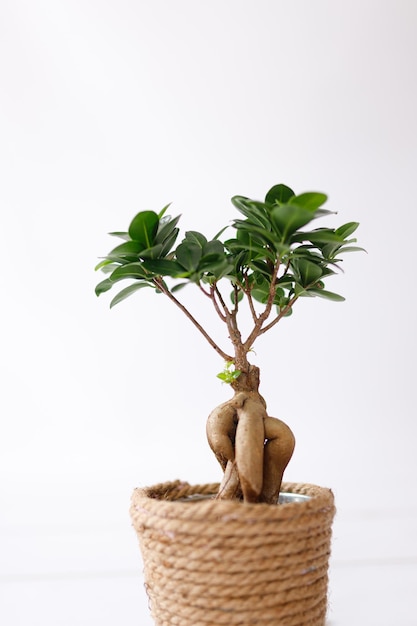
[(214, 562)]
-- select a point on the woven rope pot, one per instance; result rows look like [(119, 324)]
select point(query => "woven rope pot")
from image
[(213, 562)]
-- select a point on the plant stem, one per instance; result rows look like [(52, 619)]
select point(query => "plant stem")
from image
[(219, 295), (283, 312), (248, 293), (236, 292), (192, 319), (212, 295), (256, 331)]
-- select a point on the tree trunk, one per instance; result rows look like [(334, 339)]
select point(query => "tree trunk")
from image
[(252, 447)]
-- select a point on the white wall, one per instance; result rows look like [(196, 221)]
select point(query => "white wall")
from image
[(108, 108)]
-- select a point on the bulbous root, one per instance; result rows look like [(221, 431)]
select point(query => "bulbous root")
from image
[(252, 448)]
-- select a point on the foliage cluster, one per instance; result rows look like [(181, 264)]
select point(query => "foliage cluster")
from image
[(271, 259)]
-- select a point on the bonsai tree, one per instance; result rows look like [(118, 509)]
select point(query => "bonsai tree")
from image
[(266, 266)]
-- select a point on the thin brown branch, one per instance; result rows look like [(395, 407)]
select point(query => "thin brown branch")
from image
[(166, 292), (222, 302), (230, 317), (223, 316), (266, 312), (248, 293), (282, 313), (206, 293), (236, 307)]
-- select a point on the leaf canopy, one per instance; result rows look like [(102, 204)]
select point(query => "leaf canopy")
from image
[(273, 257)]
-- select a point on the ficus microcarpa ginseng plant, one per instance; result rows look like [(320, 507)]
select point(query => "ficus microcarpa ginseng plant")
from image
[(272, 260)]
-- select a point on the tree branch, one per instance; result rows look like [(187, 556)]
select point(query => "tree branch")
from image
[(282, 313), (266, 312), (248, 293), (223, 316), (236, 303), (206, 293), (222, 302), (192, 319)]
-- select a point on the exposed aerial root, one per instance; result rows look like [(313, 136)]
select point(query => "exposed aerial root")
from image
[(278, 450), (252, 448)]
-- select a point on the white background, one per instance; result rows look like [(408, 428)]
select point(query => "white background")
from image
[(108, 108)]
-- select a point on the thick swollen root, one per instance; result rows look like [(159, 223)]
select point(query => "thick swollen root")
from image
[(277, 454), (221, 429), (249, 447), (230, 486), (252, 448)]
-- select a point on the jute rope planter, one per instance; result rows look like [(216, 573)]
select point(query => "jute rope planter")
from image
[(214, 562)]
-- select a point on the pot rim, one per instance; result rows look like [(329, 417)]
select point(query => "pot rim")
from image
[(285, 497)]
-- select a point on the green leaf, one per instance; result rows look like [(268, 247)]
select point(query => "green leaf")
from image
[(254, 211), (279, 193), (144, 227), (164, 267), (130, 270), (246, 237), (152, 253), (344, 249), (228, 375), (128, 251), (322, 212), (188, 255), (318, 236), (260, 279), (308, 271), (109, 267), (169, 242), (253, 251), (286, 280), (126, 292), (213, 247), (103, 286), (240, 296), (162, 212), (263, 235), (221, 231), (326, 271), (279, 295), (299, 290), (260, 267), (261, 293), (287, 313), (192, 236), (239, 260), (121, 235), (216, 264), (103, 264), (259, 296), (288, 218), (311, 200), (178, 287), (329, 295), (165, 229), (346, 230), (329, 250), (308, 252)]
